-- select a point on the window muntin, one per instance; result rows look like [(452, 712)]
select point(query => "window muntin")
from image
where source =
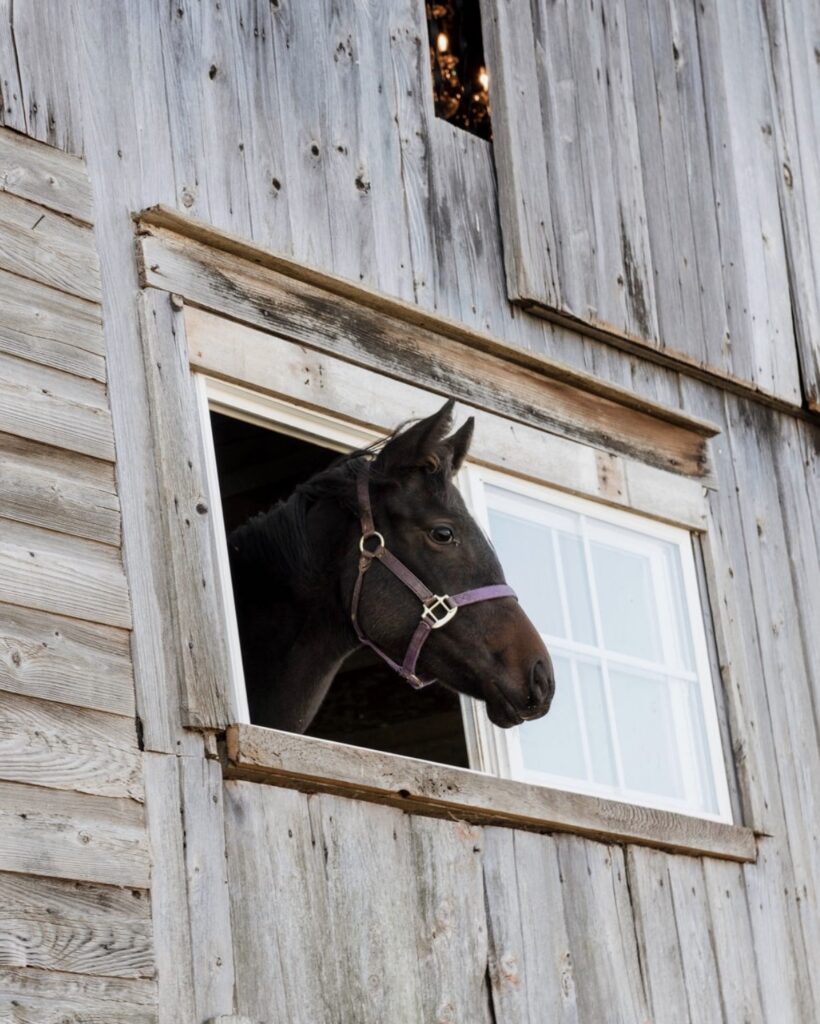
[(615, 598)]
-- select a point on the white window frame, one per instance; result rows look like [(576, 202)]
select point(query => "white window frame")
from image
[(491, 750), (499, 750)]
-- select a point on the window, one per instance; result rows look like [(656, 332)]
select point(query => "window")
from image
[(613, 594), (615, 598)]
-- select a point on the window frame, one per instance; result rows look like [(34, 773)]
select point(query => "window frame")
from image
[(285, 330), (490, 750), (500, 749)]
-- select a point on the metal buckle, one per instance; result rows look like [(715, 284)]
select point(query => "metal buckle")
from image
[(377, 552), (432, 605)]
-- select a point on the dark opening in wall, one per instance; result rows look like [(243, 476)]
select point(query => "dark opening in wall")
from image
[(368, 705), (461, 83)]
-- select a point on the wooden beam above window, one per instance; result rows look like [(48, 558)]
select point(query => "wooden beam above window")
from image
[(226, 275)]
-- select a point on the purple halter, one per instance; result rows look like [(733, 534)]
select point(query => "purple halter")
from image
[(436, 610)]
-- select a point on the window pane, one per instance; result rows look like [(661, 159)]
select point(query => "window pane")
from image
[(577, 588), (680, 613), (708, 797), (601, 752), (646, 735), (553, 744), (624, 583), (525, 550)]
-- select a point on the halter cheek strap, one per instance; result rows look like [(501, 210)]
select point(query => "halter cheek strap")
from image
[(436, 609)]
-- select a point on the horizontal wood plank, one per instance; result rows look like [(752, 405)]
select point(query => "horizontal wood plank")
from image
[(61, 747), (425, 788), (45, 175), (72, 835), (29, 995), (403, 341), (45, 458), (75, 927), (56, 408), (65, 660), (66, 575), (47, 326), (49, 248), (57, 501)]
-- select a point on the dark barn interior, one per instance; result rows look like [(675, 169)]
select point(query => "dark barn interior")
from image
[(368, 705)]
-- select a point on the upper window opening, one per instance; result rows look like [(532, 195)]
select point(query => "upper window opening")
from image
[(461, 82)]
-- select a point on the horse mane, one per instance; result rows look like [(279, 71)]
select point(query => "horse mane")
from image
[(276, 543)]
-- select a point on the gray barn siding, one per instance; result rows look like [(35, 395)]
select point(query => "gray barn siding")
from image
[(75, 920), (406, 204)]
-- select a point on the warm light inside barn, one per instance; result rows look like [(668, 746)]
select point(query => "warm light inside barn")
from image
[(461, 81)]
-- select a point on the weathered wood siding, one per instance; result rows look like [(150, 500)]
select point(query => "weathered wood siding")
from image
[(308, 128), (655, 166), (75, 936)]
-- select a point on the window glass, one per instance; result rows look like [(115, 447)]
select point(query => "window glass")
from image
[(615, 599)]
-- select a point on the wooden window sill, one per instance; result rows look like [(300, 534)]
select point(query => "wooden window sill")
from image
[(313, 765)]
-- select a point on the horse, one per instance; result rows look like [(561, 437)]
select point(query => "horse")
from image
[(311, 585)]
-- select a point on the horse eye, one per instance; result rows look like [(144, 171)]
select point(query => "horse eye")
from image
[(442, 534)]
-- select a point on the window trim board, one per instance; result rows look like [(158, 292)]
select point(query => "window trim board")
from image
[(254, 753)]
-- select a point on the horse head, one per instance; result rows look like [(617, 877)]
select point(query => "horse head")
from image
[(489, 650)]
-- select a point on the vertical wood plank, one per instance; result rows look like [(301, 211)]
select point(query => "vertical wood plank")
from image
[(532, 970), (734, 947), (696, 941), (601, 928), (284, 949), (371, 909), (169, 902), (207, 886), (658, 938), (451, 937), (12, 107), (526, 215), (190, 550)]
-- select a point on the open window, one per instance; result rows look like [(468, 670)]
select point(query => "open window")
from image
[(613, 594), (595, 500)]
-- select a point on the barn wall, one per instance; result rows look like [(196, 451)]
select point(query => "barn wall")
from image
[(74, 859), (308, 128)]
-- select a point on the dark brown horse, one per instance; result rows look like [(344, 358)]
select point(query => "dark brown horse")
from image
[(295, 568)]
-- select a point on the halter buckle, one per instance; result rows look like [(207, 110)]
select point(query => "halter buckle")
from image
[(433, 606)]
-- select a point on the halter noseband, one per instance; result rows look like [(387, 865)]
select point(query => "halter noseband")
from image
[(436, 610)]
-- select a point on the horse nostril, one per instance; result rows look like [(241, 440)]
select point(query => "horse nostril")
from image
[(542, 684)]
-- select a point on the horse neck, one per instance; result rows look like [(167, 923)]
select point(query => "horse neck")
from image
[(295, 634)]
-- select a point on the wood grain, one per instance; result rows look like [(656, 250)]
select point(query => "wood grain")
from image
[(51, 327), (190, 544), (72, 835), (29, 995), (48, 248), (421, 787), (75, 927), (60, 747), (65, 575), (244, 355), (56, 500), (406, 351), (46, 405), (65, 660), (45, 175)]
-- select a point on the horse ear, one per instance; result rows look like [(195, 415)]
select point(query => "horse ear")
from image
[(459, 444), (419, 446)]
